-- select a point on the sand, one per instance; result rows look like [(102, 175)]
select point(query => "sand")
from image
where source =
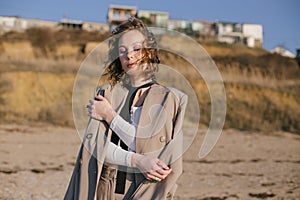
[(36, 162)]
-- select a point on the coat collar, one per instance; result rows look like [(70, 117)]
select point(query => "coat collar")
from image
[(118, 97)]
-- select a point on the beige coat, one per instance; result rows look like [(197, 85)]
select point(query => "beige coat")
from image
[(159, 133)]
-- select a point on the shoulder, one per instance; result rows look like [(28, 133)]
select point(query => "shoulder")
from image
[(105, 88), (177, 93), (174, 93)]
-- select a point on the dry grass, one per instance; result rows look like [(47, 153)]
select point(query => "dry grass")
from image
[(69, 65), (22, 50), (36, 96), (216, 49), (263, 90)]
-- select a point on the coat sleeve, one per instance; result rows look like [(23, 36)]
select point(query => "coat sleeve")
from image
[(172, 155)]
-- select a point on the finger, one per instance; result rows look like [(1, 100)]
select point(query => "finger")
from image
[(163, 173), (91, 102), (156, 174), (162, 164), (99, 97), (146, 176), (90, 112), (89, 109), (155, 178), (89, 106)]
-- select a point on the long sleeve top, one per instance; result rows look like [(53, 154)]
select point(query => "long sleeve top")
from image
[(127, 132)]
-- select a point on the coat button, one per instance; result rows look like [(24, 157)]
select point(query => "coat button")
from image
[(89, 136), (169, 195), (162, 138)]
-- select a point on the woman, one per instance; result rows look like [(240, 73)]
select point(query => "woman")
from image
[(145, 115)]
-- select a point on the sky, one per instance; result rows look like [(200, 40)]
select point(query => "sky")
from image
[(280, 18)]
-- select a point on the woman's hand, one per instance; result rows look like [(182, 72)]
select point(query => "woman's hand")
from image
[(152, 168), (101, 109)]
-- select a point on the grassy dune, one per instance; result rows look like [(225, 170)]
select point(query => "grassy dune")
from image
[(36, 96), (263, 90)]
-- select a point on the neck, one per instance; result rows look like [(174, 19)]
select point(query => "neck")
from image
[(137, 81)]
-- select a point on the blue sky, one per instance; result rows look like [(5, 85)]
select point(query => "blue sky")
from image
[(280, 18)]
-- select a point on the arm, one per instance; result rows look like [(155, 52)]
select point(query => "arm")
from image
[(152, 167), (117, 156), (124, 130), (102, 110)]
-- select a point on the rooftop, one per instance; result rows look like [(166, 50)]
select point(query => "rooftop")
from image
[(151, 11), (123, 7)]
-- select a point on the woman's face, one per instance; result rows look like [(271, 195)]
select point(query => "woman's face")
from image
[(130, 51)]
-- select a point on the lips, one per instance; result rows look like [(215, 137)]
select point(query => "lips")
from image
[(130, 65)]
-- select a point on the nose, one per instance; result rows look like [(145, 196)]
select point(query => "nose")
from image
[(130, 55)]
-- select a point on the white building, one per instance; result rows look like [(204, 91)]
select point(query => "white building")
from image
[(253, 35), (229, 32), (248, 34), (118, 13), (179, 25), (201, 29), (91, 26), (12, 24), (157, 18), (282, 51), (18, 24)]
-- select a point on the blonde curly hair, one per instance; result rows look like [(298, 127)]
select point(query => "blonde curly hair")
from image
[(113, 68)]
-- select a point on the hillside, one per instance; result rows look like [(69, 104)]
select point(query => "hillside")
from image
[(37, 76)]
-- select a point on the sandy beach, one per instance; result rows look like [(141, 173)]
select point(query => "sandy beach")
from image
[(36, 163)]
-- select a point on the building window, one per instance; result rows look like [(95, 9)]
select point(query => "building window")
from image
[(237, 28), (127, 14), (116, 14)]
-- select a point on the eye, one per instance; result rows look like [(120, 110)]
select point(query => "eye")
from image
[(137, 47), (122, 50)]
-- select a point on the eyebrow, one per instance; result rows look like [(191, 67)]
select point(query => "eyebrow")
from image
[(123, 45)]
